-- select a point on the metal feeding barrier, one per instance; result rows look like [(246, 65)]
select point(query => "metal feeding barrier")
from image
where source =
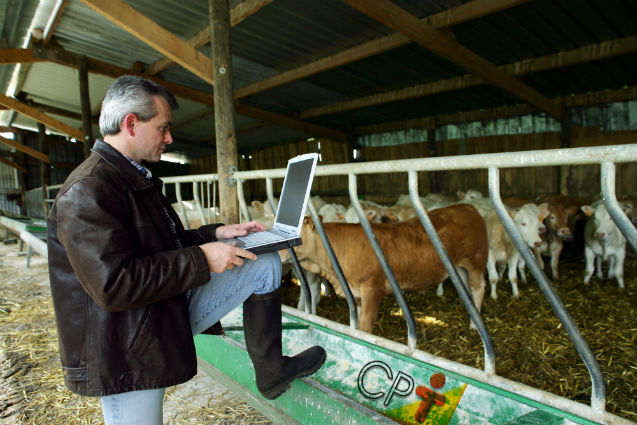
[(607, 156)]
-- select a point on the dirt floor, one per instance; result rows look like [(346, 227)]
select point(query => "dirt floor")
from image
[(32, 391)]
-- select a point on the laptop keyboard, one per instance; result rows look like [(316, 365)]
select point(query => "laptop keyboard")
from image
[(260, 237)]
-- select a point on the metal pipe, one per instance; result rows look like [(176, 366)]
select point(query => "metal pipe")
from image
[(398, 292), (180, 202), (463, 292), (539, 158), (610, 201), (269, 189), (351, 302), (242, 201), (195, 194), (598, 397)]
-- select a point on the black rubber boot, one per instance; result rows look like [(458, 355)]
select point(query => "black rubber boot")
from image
[(262, 326)]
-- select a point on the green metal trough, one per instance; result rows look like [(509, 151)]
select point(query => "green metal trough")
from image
[(370, 380)]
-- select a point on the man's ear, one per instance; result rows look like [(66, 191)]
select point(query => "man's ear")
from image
[(128, 124)]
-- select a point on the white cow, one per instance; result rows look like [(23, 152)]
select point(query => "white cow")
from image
[(603, 242)]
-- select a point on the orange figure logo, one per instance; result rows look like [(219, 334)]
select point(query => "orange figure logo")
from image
[(429, 396)]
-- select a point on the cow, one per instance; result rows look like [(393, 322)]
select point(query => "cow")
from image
[(194, 212), (372, 210), (409, 251), (603, 242), (528, 221)]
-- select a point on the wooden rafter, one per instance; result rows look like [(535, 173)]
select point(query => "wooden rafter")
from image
[(454, 16), (584, 54), (8, 56), (14, 165), (441, 44), (242, 11), (58, 9), (148, 31), (145, 29), (25, 149), (41, 117)]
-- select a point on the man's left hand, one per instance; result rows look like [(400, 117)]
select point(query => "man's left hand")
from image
[(233, 230)]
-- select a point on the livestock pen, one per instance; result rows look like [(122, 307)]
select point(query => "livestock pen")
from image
[(392, 379)]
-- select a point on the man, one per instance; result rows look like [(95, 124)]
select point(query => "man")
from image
[(130, 285)]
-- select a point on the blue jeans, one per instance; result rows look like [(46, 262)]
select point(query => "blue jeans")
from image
[(208, 304)]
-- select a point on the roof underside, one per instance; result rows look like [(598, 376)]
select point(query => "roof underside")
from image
[(419, 79)]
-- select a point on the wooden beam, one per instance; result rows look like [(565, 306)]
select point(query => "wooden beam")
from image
[(441, 44), (586, 99), (56, 14), (154, 35), (456, 15), (584, 54), (116, 7), (41, 117), (64, 57), (14, 165), (237, 14), (4, 129), (9, 56), (25, 149)]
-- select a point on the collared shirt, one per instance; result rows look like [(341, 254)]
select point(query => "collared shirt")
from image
[(148, 175)]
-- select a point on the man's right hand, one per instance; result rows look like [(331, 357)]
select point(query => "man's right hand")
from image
[(222, 256)]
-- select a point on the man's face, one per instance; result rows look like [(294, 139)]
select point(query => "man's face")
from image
[(153, 135)]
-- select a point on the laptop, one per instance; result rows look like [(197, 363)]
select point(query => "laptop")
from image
[(288, 221)]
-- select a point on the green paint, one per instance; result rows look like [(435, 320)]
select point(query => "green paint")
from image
[(384, 383)]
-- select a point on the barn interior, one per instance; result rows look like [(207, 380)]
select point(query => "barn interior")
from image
[(356, 81)]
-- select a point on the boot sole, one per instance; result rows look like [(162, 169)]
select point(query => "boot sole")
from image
[(283, 386)]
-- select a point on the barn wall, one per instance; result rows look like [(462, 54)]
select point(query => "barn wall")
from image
[(526, 182)]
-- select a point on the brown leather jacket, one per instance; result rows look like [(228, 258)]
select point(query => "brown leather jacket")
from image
[(118, 280)]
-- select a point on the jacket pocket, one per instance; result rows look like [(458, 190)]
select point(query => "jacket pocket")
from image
[(143, 336), (74, 373)]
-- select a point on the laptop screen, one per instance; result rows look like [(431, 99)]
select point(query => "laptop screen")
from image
[(292, 199)]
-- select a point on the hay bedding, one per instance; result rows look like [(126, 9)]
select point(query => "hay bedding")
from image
[(32, 390), (531, 345)]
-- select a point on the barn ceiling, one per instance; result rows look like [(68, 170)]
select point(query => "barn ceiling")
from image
[(329, 68)]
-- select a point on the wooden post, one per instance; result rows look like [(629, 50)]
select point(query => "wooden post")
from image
[(86, 107), (224, 109), (22, 177), (43, 146)]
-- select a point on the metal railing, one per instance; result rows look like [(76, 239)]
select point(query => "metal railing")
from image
[(607, 156)]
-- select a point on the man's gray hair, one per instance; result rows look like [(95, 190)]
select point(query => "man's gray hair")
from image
[(130, 94)]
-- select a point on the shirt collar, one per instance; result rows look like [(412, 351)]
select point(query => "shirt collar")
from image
[(145, 171)]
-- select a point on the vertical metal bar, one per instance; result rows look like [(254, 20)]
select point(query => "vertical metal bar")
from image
[(463, 292), (398, 292), (195, 194), (610, 201), (242, 201), (351, 302), (180, 202), (598, 393), (269, 189)]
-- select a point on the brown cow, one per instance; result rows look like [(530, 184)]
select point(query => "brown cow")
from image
[(409, 252)]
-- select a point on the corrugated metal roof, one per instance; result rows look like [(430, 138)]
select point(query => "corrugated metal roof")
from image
[(286, 34)]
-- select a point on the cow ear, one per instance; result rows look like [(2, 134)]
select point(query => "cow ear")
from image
[(572, 210), (588, 210), (544, 211), (307, 219), (460, 194)]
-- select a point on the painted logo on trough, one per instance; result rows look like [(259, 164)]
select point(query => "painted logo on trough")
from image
[(422, 404)]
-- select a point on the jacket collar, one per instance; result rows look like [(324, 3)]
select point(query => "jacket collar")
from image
[(123, 166)]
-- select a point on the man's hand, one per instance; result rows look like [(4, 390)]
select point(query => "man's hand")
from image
[(233, 230), (222, 256)]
